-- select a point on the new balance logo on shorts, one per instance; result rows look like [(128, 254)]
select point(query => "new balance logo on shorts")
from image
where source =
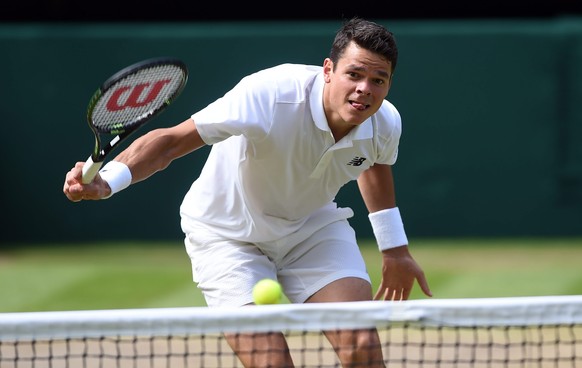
[(357, 161)]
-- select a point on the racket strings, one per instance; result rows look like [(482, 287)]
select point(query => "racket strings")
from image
[(136, 97)]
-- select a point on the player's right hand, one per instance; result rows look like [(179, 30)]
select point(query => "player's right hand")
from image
[(76, 191)]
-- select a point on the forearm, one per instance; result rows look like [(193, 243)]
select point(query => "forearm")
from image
[(147, 155), (376, 186)]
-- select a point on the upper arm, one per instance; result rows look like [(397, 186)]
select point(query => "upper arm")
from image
[(185, 138), (376, 185)]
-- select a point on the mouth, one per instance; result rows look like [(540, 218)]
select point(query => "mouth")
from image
[(359, 105)]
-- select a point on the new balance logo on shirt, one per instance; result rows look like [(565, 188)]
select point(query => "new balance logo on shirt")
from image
[(357, 161)]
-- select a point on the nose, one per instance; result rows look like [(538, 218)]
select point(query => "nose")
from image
[(363, 88)]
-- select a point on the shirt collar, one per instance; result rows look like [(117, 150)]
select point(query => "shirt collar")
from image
[(363, 131)]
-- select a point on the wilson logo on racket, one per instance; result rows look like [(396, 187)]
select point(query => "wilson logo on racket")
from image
[(135, 99)]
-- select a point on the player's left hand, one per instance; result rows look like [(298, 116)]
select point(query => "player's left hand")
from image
[(399, 271)]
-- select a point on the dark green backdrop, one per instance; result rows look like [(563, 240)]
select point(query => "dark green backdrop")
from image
[(491, 110)]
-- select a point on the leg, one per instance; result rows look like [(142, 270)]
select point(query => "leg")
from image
[(226, 271), (328, 267), (261, 350), (355, 348)]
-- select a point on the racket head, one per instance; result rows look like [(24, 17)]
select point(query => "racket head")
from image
[(135, 94)]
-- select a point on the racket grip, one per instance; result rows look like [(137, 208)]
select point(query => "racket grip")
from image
[(90, 170)]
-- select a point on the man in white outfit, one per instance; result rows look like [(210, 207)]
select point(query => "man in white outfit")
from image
[(284, 141)]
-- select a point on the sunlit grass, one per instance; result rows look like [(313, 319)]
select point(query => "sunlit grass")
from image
[(150, 275)]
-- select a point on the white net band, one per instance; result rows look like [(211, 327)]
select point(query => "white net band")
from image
[(521, 311), (462, 333)]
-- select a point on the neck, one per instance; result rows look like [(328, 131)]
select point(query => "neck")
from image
[(339, 133)]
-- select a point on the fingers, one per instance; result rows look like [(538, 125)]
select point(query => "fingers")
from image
[(73, 188), (394, 294), (396, 289), (379, 294), (424, 285), (406, 294), (398, 293)]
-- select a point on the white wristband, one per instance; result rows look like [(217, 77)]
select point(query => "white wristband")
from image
[(388, 228), (117, 175)]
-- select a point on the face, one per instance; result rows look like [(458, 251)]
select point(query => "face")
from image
[(356, 89)]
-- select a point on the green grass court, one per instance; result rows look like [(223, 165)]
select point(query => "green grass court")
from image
[(150, 275)]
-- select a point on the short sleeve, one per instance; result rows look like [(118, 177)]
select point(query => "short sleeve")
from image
[(389, 130), (246, 110)]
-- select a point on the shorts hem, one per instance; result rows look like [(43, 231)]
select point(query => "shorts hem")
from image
[(328, 280)]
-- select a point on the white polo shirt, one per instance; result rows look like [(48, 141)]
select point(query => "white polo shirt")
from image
[(274, 166)]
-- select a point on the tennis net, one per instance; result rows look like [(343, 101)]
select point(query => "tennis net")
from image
[(492, 332)]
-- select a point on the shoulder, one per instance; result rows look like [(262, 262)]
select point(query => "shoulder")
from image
[(389, 112), (288, 71), (387, 119), (285, 79), (387, 127)]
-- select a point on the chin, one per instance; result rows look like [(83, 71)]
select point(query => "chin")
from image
[(357, 119)]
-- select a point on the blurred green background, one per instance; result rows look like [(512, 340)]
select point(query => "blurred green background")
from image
[(490, 109)]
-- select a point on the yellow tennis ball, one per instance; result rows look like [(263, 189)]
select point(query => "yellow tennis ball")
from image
[(267, 291)]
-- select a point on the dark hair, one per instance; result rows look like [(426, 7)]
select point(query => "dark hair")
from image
[(368, 35)]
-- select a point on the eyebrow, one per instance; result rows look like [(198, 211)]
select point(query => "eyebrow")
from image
[(360, 68)]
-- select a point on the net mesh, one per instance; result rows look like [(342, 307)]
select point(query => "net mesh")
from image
[(499, 332)]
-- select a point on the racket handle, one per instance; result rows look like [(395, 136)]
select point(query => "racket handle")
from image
[(90, 170)]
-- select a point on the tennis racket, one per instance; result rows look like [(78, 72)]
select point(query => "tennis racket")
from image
[(129, 99)]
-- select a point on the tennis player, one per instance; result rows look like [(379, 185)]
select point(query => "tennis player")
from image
[(284, 142)]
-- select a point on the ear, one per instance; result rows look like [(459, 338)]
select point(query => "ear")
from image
[(327, 69)]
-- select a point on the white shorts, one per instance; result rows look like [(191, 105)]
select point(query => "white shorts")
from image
[(226, 270)]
